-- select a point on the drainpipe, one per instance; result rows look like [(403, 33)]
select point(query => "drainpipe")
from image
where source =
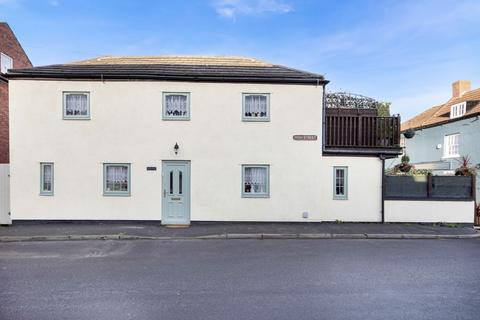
[(324, 109), (382, 157)]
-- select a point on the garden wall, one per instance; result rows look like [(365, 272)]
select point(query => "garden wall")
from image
[(429, 199)]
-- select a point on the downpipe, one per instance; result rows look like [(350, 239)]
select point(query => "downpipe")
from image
[(382, 157)]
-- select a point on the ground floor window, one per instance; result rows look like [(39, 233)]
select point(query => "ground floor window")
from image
[(46, 179), (255, 181), (340, 183), (116, 179)]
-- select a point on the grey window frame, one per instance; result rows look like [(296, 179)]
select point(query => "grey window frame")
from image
[(175, 118), (42, 168), (255, 195), (255, 119), (129, 181), (345, 183), (64, 106)]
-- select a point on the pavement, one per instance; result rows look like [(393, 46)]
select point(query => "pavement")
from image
[(240, 279), (60, 231)]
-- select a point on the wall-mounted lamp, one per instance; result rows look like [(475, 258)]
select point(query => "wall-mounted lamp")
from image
[(176, 147)]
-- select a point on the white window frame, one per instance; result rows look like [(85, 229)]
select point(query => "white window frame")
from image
[(164, 106), (343, 196), (44, 192), (75, 117), (449, 148), (267, 186), (3, 58), (260, 119), (458, 110), (129, 180)]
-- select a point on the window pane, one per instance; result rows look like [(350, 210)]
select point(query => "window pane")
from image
[(5, 63), (171, 182), (255, 180), (116, 178), (180, 182), (176, 105), (340, 182), (47, 177), (256, 106), (76, 104)]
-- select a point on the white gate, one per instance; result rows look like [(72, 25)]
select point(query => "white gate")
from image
[(5, 194)]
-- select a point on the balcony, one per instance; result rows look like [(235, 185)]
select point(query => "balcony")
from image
[(361, 131)]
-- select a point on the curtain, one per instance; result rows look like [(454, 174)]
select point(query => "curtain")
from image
[(255, 106), (47, 178), (255, 180), (176, 105), (76, 105), (117, 178)]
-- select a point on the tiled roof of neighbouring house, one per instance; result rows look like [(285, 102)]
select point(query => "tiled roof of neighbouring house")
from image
[(441, 114), (174, 68)]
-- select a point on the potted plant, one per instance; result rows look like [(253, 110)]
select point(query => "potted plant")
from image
[(404, 165), (465, 168)]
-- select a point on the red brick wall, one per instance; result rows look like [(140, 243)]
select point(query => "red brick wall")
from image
[(10, 46)]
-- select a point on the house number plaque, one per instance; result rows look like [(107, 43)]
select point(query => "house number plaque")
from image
[(305, 137)]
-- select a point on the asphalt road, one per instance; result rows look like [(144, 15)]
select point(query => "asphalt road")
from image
[(241, 279)]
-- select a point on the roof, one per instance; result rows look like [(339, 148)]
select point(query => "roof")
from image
[(441, 114), (173, 68), (176, 60), (4, 30)]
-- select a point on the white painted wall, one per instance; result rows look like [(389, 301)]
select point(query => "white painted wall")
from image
[(5, 194), (429, 211), (126, 126)]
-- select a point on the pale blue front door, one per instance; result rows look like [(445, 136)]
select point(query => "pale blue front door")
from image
[(176, 192)]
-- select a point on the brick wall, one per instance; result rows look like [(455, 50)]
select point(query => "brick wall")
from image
[(10, 46)]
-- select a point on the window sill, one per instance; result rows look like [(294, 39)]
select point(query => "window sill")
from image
[(451, 157), (246, 195), (340, 198), (256, 119), (113, 194), (76, 118), (176, 119), (46, 194)]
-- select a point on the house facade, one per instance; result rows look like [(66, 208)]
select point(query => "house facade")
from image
[(181, 139), (12, 55), (445, 133)]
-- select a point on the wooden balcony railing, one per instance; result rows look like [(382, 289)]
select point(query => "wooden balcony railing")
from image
[(362, 131)]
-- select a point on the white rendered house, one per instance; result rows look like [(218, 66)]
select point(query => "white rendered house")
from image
[(182, 139)]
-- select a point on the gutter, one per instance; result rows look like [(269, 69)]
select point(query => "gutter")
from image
[(103, 76)]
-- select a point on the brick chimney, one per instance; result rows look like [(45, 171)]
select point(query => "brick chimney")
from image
[(460, 87)]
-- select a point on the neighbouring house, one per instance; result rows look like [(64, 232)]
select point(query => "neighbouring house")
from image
[(12, 55), (179, 139), (446, 132)]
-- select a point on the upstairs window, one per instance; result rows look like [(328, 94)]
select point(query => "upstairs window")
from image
[(340, 183), (451, 145), (256, 107), (458, 110), (176, 106), (46, 179), (5, 63), (255, 181), (116, 179), (76, 105)]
